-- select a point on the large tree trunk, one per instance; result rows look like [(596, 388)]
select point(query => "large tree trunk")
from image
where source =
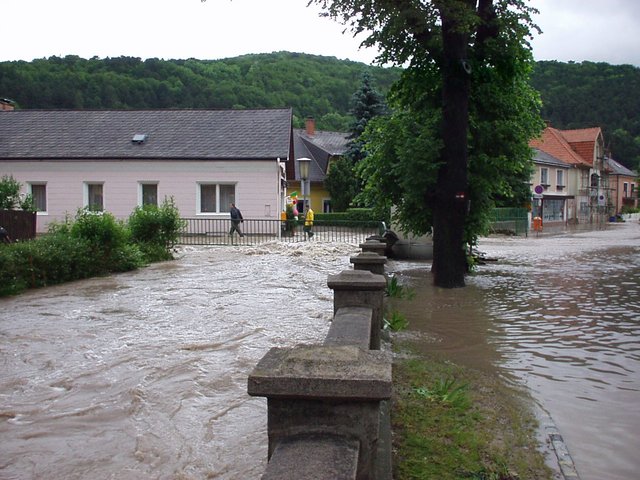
[(450, 206)]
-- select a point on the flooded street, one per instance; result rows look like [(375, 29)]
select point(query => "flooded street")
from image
[(559, 315), (143, 375)]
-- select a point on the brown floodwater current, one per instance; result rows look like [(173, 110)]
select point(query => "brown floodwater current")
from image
[(143, 375), (559, 315)]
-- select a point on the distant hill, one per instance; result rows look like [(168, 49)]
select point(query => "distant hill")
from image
[(587, 94), (575, 95), (313, 86)]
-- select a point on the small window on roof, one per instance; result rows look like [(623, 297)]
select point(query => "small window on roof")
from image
[(139, 138)]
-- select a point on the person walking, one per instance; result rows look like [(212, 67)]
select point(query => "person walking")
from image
[(236, 220), (308, 223)]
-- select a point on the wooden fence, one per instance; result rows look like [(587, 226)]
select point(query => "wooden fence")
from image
[(20, 225)]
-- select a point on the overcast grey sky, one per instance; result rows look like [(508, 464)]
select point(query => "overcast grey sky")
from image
[(596, 30)]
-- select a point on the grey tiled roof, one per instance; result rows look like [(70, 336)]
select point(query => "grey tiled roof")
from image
[(544, 158), (619, 169), (319, 147), (170, 134)]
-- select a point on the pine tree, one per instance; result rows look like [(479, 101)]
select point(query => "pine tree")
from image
[(341, 181)]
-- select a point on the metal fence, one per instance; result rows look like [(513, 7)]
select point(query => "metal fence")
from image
[(207, 231), (510, 220)]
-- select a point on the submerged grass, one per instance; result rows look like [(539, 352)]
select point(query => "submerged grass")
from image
[(452, 422)]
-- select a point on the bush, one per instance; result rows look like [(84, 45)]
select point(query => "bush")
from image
[(156, 229), (628, 209), (94, 243), (106, 237), (51, 259), (10, 197)]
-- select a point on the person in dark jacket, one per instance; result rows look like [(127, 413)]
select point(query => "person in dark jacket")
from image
[(4, 236), (236, 220)]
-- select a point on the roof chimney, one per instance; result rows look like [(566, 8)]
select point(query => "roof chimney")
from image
[(6, 104), (310, 126)]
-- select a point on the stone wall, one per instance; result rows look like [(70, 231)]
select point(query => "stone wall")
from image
[(328, 405)]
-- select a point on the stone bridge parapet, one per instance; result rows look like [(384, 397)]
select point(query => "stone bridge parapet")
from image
[(328, 404)]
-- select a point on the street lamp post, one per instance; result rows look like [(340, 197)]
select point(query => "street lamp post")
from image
[(303, 170)]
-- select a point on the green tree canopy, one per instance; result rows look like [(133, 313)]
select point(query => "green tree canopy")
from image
[(459, 125), (341, 181)]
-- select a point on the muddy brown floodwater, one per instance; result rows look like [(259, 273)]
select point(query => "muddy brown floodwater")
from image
[(559, 315), (143, 375)]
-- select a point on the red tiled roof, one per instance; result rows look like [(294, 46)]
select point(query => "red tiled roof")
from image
[(583, 141), (553, 142), (582, 135)]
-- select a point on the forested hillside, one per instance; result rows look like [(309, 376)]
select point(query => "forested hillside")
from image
[(574, 95), (587, 94), (311, 85)]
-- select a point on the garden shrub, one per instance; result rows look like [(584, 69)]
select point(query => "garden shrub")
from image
[(156, 230), (10, 197), (629, 209), (91, 244), (49, 260), (106, 237)]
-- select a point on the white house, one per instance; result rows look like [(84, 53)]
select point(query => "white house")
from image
[(116, 160)]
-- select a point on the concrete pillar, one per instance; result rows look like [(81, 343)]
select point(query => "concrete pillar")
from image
[(374, 246), (360, 288), (371, 261), (333, 391)]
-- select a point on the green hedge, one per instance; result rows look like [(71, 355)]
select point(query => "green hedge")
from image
[(93, 244), (352, 217)]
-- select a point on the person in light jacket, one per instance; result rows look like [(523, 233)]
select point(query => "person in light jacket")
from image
[(308, 223)]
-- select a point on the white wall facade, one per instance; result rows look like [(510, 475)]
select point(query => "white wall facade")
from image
[(257, 185)]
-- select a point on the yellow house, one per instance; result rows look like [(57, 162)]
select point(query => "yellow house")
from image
[(321, 147)]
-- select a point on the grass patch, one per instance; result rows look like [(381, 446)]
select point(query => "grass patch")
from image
[(451, 422), (395, 321), (396, 290)]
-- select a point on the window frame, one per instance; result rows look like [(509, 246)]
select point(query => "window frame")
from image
[(141, 196), (544, 177), (221, 208), (87, 195), (46, 195), (560, 179)]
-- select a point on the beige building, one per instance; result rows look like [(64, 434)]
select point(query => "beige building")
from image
[(588, 192)]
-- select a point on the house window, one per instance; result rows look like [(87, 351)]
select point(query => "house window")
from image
[(552, 210), (625, 189), (544, 177), (148, 194), (227, 196), (39, 194), (559, 179), (326, 205), (215, 197), (94, 199)]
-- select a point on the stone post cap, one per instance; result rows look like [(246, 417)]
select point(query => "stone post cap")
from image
[(368, 257), (356, 280), (373, 246), (339, 373)]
